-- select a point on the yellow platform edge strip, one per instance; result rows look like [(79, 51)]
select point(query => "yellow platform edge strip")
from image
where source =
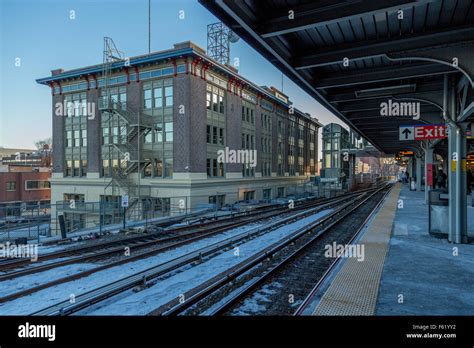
[(354, 289)]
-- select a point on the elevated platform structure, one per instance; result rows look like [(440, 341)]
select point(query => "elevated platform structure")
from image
[(400, 264), (378, 66)]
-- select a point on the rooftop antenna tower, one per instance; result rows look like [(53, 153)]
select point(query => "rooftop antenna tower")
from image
[(219, 38)]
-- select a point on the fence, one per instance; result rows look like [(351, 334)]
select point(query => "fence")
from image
[(35, 221)]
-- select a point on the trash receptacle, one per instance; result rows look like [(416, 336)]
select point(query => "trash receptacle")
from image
[(438, 212)]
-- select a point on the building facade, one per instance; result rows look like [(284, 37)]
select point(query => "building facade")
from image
[(335, 160), (155, 129)]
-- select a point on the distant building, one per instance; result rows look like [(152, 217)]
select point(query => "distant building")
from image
[(23, 187), (334, 165), (34, 159), (7, 152)]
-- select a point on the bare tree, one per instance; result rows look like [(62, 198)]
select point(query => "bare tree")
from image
[(40, 143)]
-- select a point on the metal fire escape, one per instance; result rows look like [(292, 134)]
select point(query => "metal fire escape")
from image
[(125, 156)]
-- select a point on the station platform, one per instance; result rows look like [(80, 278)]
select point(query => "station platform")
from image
[(405, 270)]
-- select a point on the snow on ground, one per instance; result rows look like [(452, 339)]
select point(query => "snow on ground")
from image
[(255, 304), (165, 290), (148, 299), (61, 292)]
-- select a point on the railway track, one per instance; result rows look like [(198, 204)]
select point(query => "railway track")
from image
[(290, 265), (144, 277), (163, 241), (107, 248)]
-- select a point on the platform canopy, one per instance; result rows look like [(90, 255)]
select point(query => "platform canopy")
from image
[(352, 56)]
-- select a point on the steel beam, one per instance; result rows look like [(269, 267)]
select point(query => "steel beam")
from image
[(324, 12), (388, 73), (384, 48)]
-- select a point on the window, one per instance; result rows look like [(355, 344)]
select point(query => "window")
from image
[(208, 134), (214, 135), (249, 195), (69, 139), (169, 95), (105, 136), (169, 131), (158, 95), (208, 166), (168, 167), (149, 138), (84, 108), (68, 168), (77, 139), (221, 136), (267, 194), (11, 185), (158, 168), (84, 137), (70, 108), (115, 134), (147, 170), (76, 168), (208, 100), (214, 102), (147, 99), (105, 168), (158, 133), (221, 169), (221, 104), (123, 134), (214, 167), (123, 99), (83, 167), (37, 185)]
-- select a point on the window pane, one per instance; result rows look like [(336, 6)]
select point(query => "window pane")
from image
[(208, 100), (169, 95), (214, 102), (169, 131), (221, 104)]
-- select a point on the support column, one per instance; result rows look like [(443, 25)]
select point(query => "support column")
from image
[(419, 159), (451, 160), (428, 162), (457, 175), (461, 189)]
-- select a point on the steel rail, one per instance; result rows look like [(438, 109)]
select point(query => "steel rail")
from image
[(306, 302), (246, 216), (91, 297), (256, 260)]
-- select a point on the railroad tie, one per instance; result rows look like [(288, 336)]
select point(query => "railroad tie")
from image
[(355, 287)]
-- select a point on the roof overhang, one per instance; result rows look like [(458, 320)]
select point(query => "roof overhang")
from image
[(352, 56)]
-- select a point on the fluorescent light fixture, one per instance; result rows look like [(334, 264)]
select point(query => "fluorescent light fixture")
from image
[(381, 91)]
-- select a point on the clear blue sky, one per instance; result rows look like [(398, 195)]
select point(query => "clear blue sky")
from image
[(42, 35)]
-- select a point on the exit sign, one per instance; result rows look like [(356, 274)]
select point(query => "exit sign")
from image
[(423, 132), (430, 131)]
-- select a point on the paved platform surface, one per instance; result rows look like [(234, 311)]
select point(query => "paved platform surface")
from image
[(355, 287), (424, 271), (406, 271)]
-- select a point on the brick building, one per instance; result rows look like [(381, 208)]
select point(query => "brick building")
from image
[(157, 129)]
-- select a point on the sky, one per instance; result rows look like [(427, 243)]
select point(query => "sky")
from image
[(37, 36)]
